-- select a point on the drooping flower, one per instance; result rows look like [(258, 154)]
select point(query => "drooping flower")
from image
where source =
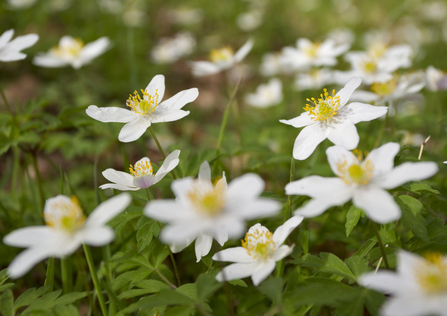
[(72, 52), (204, 211), (417, 288), (169, 50), (145, 110), (331, 117), (66, 229), (364, 180), (10, 50), (141, 174), (220, 59), (266, 94), (259, 252)]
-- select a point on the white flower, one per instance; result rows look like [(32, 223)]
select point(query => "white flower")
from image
[(436, 79), (309, 54), (273, 64), (145, 110), (342, 36), (249, 21), (331, 117), (141, 174), (259, 252), (365, 181), (72, 52), (417, 288), (316, 78), (185, 16), (266, 94), (204, 211), (169, 50), (66, 229), (221, 59), (20, 4), (10, 50)]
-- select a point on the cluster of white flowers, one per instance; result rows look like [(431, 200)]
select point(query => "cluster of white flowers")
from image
[(169, 50)]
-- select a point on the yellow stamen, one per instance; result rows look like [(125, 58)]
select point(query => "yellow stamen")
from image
[(384, 89), (432, 274), (222, 54), (72, 50), (312, 50), (206, 198), (143, 105), (65, 215), (369, 64), (141, 168), (259, 242), (360, 172), (325, 107)]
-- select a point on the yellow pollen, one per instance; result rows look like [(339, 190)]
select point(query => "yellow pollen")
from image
[(312, 50), (72, 50), (384, 89), (432, 274), (141, 168), (325, 107), (222, 54), (259, 243), (144, 105), (378, 49), (65, 215), (359, 172), (206, 198), (369, 65)]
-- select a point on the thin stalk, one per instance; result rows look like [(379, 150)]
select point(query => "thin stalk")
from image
[(165, 279), (5, 101), (161, 149), (225, 117), (382, 249), (91, 266), (65, 276), (49, 278), (39, 180), (382, 129)]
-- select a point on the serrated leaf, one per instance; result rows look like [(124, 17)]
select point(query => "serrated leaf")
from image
[(410, 203), (130, 276), (420, 188), (6, 286), (64, 310), (45, 302), (70, 298), (158, 253), (123, 218), (6, 303), (178, 311), (352, 218), (357, 265), (153, 285), (412, 221), (238, 282), (29, 296), (354, 306), (3, 276), (206, 285), (272, 288), (189, 290)]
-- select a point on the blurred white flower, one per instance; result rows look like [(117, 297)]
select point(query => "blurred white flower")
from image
[(266, 94), (411, 139), (10, 50), (141, 174), (418, 287), (364, 180), (72, 52), (331, 117), (314, 79), (169, 50), (20, 4), (259, 252), (203, 211), (145, 110), (66, 229), (221, 59), (185, 16), (134, 17), (308, 54), (342, 36), (249, 21), (434, 11), (273, 64), (436, 79)]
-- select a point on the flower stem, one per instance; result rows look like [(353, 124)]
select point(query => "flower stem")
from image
[(161, 149), (165, 279), (65, 276), (382, 129), (49, 278), (5, 101), (382, 249), (88, 256), (39, 180)]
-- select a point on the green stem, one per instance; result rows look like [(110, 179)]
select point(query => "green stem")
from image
[(49, 278), (165, 279), (5, 101), (161, 149), (382, 129), (39, 180), (65, 276), (88, 256), (382, 249)]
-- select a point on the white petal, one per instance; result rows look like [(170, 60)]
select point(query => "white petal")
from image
[(346, 92), (178, 232), (6, 37), (228, 225), (49, 61), (344, 134), (251, 209), (120, 187), (97, 236), (281, 252), (361, 112), (133, 130), (308, 140), (169, 117), (25, 260), (262, 271), (177, 101), (318, 206), (406, 172), (180, 187), (157, 85), (205, 172), (247, 186), (408, 306), (203, 245), (364, 96), (221, 236), (22, 42), (243, 51), (314, 186), (204, 68), (378, 204), (118, 177), (337, 155), (166, 211), (29, 236), (236, 254), (111, 114), (177, 247), (300, 121), (145, 181), (236, 271), (108, 210), (383, 281), (283, 231), (383, 158), (170, 162), (94, 49)]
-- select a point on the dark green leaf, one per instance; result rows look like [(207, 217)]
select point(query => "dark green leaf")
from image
[(352, 218), (206, 285), (6, 303), (272, 288)]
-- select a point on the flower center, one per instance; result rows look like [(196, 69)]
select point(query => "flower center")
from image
[(144, 105), (359, 172), (70, 49), (325, 107), (222, 54), (64, 214), (259, 242), (384, 89), (432, 274), (312, 50), (378, 48), (206, 198), (369, 65), (141, 168)]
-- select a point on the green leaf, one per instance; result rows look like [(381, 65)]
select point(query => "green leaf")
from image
[(410, 203), (411, 219), (70, 298), (420, 188), (238, 282), (133, 293), (354, 306), (373, 301), (144, 233), (45, 302), (357, 265), (130, 276), (206, 285), (61, 310), (123, 218), (352, 218), (153, 285), (29, 296), (158, 253), (178, 311), (329, 263), (6, 303), (189, 290), (272, 288), (6, 286), (366, 248), (3, 276)]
